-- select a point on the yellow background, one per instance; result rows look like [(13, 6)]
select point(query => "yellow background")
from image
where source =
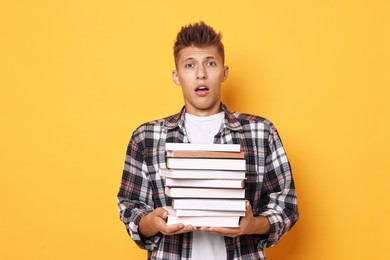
[(77, 77)]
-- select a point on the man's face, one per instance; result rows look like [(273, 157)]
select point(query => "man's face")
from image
[(200, 72)]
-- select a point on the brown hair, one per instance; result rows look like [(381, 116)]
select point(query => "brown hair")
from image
[(197, 35)]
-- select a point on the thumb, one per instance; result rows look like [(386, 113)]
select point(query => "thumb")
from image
[(248, 209), (162, 213)]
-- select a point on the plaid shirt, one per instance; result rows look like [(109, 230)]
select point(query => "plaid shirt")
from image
[(269, 184)]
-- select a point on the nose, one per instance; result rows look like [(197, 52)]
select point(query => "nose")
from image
[(201, 73)]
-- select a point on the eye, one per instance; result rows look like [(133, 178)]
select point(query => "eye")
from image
[(189, 65), (211, 63)]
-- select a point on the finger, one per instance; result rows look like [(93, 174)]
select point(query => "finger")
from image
[(186, 229), (223, 231), (248, 211), (178, 229), (171, 229), (230, 232), (162, 213), (248, 208), (174, 227)]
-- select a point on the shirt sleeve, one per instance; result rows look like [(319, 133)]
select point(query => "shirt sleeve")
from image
[(135, 197), (278, 196)]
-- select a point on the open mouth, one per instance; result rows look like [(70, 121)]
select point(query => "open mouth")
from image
[(201, 88), (202, 91)]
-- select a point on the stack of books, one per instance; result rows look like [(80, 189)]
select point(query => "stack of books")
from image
[(206, 184)]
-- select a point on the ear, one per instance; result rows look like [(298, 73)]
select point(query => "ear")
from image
[(225, 73), (175, 78)]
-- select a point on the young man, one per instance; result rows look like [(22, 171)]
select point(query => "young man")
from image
[(272, 205)]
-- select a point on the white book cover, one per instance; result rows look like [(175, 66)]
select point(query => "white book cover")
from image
[(201, 174), (171, 182), (205, 154), (205, 193), (210, 204), (206, 164), (205, 221), (202, 147), (203, 213)]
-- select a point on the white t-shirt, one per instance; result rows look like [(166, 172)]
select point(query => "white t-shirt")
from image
[(201, 130)]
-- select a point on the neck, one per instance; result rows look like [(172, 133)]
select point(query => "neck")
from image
[(203, 112)]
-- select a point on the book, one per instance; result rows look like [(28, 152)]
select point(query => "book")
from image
[(203, 147), (201, 174), (205, 154), (210, 204), (205, 221), (204, 193), (204, 213), (206, 164), (204, 183)]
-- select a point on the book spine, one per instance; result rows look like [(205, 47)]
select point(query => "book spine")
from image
[(203, 147), (172, 182), (201, 174), (209, 164), (205, 221), (205, 193), (209, 204), (205, 154)]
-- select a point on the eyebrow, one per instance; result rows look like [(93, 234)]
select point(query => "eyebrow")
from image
[(206, 58)]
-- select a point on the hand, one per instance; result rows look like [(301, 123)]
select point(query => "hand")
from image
[(248, 225), (155, 222)]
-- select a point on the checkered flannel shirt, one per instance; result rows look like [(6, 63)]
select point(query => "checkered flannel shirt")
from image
[(269, 185)]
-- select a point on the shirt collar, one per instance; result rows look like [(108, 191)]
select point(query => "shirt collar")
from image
[(231, 120)]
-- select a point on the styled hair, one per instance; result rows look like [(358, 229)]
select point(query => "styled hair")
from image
[(198, 35)]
